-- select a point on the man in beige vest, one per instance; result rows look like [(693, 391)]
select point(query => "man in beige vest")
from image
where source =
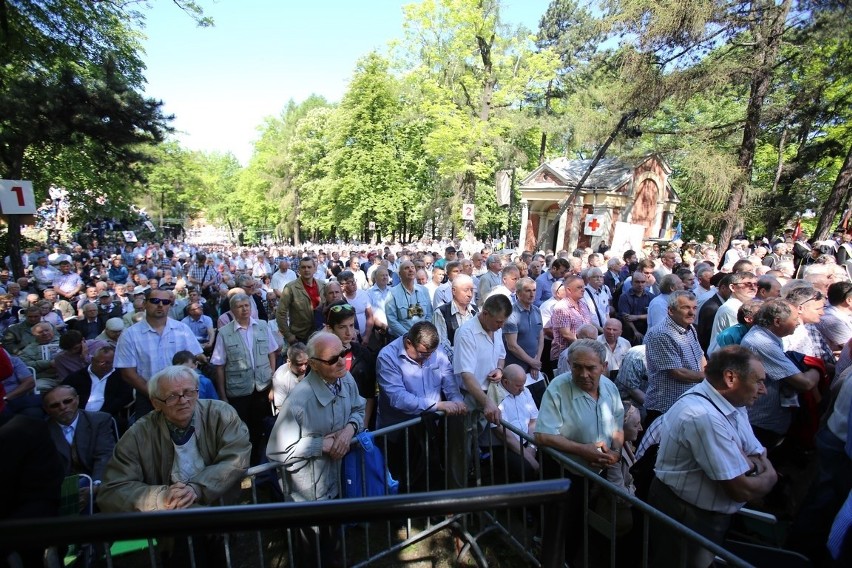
[(244, 357)]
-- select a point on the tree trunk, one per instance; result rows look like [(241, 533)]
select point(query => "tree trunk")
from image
[(769, 41), (14, 170), (837, 201)]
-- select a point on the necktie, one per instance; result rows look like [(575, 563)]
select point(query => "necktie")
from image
[(68, 431)]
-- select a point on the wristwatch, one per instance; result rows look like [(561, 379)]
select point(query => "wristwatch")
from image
[(354, 426)]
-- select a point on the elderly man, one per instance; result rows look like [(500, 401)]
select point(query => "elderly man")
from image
[(597, 297), (778, 254), (40, 355), (18, 336), (85, 439), (112, 331), (282, 277), (770, 419), (312, 434), (709, 462), (616, 346), (67, 283), (633, 307), (582, 415), (415, 376), (674, 357), (188, 452), (451, 316), (147, 346), (491, 278), (44, 274), (89, 324), (518, 408), (409, 302), (200, 324), (378, 295), (244, 360), (568, 316), (299, 300), (659, 306), (836, 323), (523, 332), (100, 388), (107, 307)]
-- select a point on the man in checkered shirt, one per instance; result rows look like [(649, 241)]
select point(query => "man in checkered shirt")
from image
[(674, 357)]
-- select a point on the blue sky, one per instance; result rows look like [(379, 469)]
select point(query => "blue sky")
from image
[(221, 82)]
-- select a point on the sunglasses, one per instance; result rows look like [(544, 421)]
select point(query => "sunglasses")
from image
[(335, 359), (341, 308), (61, 403), (158, 301), (815, 298)]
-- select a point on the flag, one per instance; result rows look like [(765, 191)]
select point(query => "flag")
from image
[(797, 232), (678, 232)]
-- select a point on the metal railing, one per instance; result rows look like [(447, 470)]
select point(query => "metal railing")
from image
[(456, 485)]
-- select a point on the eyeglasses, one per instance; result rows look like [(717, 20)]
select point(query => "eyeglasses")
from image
[(335, 359), (158, 301), (815, 298), (341, 308), (61, 403), (424, 354), (171, 400), (747, 284)]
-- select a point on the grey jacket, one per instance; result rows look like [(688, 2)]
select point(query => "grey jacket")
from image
[(310, 413)]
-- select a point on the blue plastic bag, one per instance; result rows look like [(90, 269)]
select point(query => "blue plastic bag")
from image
[(364, 471)]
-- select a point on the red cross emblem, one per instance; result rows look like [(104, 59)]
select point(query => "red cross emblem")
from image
[(593, 224)]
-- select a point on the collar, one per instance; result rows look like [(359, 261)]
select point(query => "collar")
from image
[(318, 385), (677, 327), (95, 377), (252, 322)]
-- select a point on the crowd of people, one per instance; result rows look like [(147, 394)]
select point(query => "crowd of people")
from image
[(164, 370)]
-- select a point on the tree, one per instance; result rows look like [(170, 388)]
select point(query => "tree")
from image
[(71, 76), (474, 72), (702, 48)]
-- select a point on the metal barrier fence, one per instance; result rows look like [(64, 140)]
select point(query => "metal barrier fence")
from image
[(447, 483)]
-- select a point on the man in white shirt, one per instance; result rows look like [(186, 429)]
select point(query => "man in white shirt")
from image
[(616, 346), (710, 463), (281, 277)]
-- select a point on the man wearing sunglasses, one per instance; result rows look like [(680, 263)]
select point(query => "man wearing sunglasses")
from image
[(743, 288), (312, 434), (147, 347), (84, 439)]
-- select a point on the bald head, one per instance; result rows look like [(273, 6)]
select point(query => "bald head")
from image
[(587, 331)]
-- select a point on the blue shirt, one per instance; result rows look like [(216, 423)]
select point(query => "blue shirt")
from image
[(767, 412), (407, 388), (400, 319), (527, 324), (543, 287), (200, 327), (669, 347)]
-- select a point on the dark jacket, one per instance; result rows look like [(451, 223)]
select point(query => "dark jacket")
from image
[(117, 394)]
